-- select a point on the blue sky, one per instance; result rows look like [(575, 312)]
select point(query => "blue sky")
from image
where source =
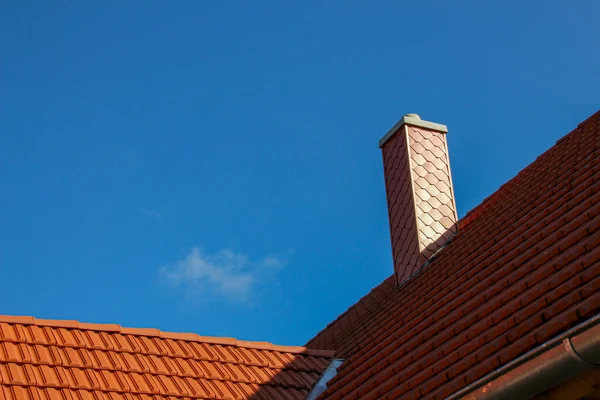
[(213, 167)]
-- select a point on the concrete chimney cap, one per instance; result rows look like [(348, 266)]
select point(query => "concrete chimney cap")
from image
[(414, 120)]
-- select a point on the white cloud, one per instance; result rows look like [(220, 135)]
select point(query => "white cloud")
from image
[(225, 273)]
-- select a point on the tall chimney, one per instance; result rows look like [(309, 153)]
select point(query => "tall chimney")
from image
[(420, 197)]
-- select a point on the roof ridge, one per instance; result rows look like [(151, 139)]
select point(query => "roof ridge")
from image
[(153, 332), (588, 119)]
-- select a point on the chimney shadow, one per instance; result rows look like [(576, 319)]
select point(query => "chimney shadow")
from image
[(299, 379)]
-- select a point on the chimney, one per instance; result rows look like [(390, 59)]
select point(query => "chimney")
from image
[(420, 197)]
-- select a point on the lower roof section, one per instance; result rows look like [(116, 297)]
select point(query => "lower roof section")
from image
[(50, 359)]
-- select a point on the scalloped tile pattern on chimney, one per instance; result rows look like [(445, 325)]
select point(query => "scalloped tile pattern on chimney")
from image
[(421, 206)]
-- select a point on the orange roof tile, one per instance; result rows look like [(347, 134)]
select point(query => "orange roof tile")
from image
[(48, 359), (523, 268)]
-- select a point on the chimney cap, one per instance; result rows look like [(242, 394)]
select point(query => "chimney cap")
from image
[(414, 120)]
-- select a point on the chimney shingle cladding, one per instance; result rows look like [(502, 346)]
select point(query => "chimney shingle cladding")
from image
[(421, 206)]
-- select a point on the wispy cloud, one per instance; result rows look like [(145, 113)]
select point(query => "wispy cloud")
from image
[(225, 273), (151, 213)]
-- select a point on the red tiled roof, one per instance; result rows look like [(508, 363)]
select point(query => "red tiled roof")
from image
[(47, 359), (524, 267)]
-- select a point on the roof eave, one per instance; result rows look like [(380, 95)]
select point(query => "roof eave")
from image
[(543, 368)]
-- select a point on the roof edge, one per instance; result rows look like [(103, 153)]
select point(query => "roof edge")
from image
[(544, 367), (152, 332), (473, 212), (331, 323)]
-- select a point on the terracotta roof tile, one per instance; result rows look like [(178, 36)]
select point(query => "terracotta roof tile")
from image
[(524, 267), (51, 359)]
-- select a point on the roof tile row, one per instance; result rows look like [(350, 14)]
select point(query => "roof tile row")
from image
[(74, 333), (41, 358)]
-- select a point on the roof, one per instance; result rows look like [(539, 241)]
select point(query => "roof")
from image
[(48, 359), (523, 268)]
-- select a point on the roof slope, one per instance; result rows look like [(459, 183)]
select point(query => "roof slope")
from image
[(524, 267), (47, 359)]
